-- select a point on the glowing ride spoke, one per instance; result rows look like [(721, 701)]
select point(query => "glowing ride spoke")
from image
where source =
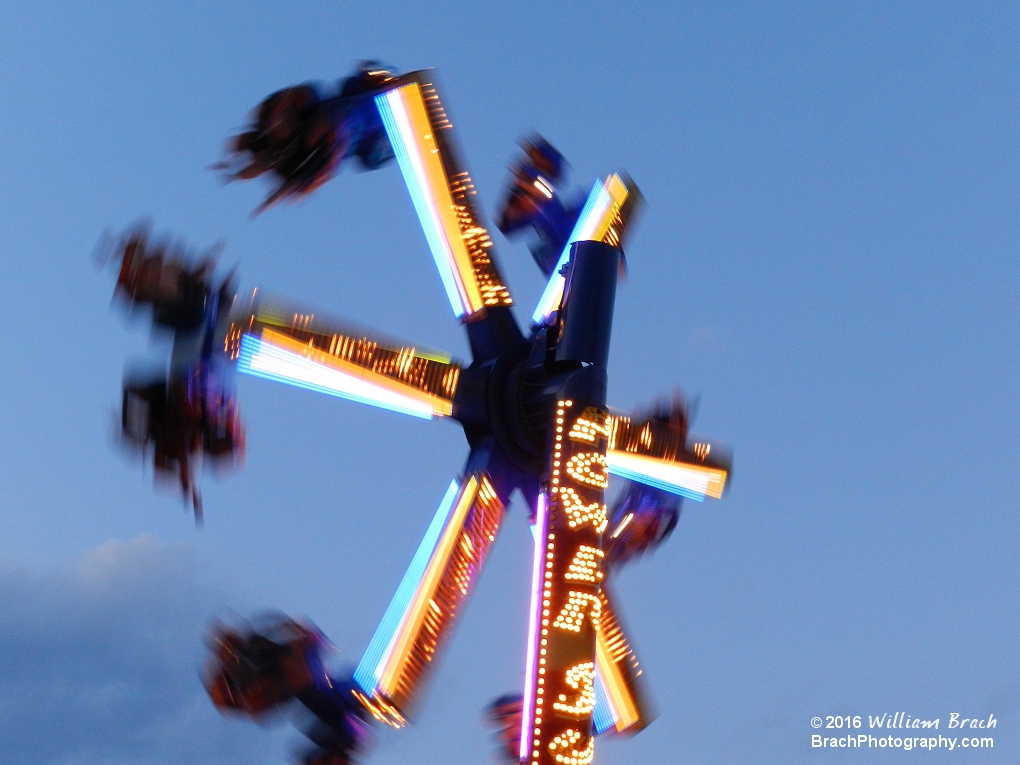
[(378, 671), (686, 479), (614, 706), (619, 701), (277, 357), (407, 125), (599, 212)]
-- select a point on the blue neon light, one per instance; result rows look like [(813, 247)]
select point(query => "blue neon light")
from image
[(371, 664), (252, 347), (672, 488), (595, 206), (423, 203), (603, 717)]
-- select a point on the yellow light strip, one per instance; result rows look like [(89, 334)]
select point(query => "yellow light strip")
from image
[(381, 710), (440, 407), (618, 193), (423, 152), (277, 318), (595, 224), (399, 647), (688, 479), (625, 709)]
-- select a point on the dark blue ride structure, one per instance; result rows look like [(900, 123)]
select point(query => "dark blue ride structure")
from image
[(532, 404)]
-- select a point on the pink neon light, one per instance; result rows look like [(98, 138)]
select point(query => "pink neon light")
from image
[(530, 670)]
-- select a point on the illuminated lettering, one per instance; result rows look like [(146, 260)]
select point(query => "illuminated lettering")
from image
[(580, 468), (585, 565), (581, 678), (579, 513), (578, 605), (587, 427), (560, 685), (574, 756)]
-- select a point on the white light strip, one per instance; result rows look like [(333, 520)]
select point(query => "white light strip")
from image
[(590, 225), (370, 670), (404, 138), (270, 362), (619, 529), (687, 481)]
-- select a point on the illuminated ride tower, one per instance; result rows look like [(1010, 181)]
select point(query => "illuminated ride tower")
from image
[(533, 408)]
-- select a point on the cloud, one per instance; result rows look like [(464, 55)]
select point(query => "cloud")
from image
[(98, 664)]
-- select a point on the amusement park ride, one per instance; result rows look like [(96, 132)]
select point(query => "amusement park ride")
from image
[(532, 403)]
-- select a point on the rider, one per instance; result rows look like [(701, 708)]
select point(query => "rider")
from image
[(192, 411), (301, 136), (260, 669), (645, 516), (533, 200)]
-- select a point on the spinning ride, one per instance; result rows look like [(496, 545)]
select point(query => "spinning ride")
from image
[(532, 404)]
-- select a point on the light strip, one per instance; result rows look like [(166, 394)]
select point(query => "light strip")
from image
[(284, 319), (410, 133), (282, 359), (604, 203), (602, 717), (541, 522), (623, 524), (622, 708), (389, 670), (436, 404), (691, 481), (370, 667)]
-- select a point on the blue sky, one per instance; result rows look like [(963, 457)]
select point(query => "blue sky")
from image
[(827, 257)]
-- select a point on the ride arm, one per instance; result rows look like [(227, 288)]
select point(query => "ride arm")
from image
[(621, 700), (421, 135), (430, 596), (651, 452), (279, 343), (610, 209)]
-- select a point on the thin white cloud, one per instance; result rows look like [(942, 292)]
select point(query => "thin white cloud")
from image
[(98, 664)]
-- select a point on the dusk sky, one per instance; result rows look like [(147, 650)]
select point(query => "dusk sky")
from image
[(827, 261)]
